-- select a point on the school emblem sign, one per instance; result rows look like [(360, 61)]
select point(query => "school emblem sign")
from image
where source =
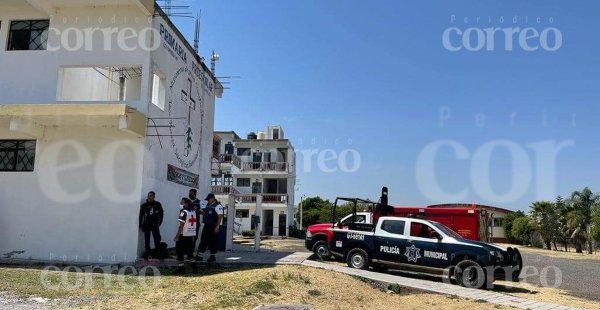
[(186, 114)]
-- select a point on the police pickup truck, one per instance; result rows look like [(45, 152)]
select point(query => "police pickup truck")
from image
[(423, 246)]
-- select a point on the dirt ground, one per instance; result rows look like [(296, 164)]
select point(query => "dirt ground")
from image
[(232, 289)]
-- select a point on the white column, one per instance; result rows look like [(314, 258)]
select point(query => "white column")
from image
[(230, 222), (276, 222), (258, 226)]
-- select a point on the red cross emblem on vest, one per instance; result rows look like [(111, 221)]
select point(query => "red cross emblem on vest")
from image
[(192, 220)]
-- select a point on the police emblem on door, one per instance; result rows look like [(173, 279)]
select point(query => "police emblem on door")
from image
[(412, 253)]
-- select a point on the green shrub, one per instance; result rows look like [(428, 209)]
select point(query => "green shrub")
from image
[(248, 233)]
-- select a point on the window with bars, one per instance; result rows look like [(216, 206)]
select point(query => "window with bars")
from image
[(28, 35), (243, 182), (17, 155), (227, 179), (216, 180)]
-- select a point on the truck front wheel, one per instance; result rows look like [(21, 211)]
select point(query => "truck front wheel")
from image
[(470, 274), (358, 259), (321, 250)]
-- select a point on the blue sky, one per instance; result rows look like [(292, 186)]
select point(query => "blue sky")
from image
[(374, 76)]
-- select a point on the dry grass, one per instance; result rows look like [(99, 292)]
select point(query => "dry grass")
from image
[(242, 289), (562, 254)]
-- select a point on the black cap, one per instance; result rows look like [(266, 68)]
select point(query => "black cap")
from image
[(209, 196)]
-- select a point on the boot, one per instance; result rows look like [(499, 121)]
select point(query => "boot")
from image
[(180, 269), (211, 259)]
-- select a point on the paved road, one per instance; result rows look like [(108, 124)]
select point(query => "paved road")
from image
[(580, 277)]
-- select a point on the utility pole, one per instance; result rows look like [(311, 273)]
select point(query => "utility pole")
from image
[(301, 205)]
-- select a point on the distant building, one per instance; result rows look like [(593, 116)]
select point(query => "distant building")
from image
[(494, 216), (100, 102), (262, 163)]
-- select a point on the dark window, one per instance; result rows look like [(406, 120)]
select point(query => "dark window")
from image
[(256, 188), (242, 213), (227, 179), (421, 230), (498, 222), (276, 134), (243, 182), (28, 35), (243, 151), (215, 180), (229, 148), (17, 155), (393, 227)]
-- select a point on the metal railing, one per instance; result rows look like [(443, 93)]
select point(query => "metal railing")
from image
[(231, 158), (224, 190), (267, 198), (265, 166)]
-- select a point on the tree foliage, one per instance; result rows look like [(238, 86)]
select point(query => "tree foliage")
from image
[(522, 229), (507, 224), (583, 203), (316, 210), (544, 218)]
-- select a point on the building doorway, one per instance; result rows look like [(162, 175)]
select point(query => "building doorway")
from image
[(282, 224), (268, 222)]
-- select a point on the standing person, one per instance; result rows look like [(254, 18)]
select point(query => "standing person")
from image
[(195, 205), (184, 238), (212, 217), (151, 217)]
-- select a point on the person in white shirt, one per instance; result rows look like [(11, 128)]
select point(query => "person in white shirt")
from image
[(186, 233)]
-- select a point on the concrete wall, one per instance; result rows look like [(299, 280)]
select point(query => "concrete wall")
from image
[(164, 150), (91, 212), (74, 207), (33, 76)]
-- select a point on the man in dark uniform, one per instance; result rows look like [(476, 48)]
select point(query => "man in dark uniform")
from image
[(151, 217), (184, 238), (212, 217), (195, 205)]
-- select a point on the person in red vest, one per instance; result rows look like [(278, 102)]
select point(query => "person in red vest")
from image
[(186, 233)]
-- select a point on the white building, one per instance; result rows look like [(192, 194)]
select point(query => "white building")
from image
[(262, 163), (100, 102)]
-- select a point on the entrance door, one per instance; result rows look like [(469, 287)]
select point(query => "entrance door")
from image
[(268, 222), (282, 224)]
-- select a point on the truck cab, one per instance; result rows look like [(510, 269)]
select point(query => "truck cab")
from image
[(319, 235), (424, 246)]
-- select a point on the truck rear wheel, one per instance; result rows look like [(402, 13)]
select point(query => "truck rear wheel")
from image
[(470, 274), (321, 250), (358, 259)]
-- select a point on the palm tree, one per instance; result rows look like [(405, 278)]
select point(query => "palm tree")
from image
[(583, 203), (545, 218)]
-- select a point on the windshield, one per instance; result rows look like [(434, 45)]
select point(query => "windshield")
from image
[(449, 232)]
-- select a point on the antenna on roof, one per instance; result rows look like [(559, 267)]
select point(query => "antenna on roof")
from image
[(197, 34), (214, 57), (172, 10)]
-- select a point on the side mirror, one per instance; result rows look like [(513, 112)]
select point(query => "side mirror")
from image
[(339, 225), (436, 235)]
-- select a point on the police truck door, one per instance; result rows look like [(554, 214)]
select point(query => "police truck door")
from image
[(424, 248), (390, 241)]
